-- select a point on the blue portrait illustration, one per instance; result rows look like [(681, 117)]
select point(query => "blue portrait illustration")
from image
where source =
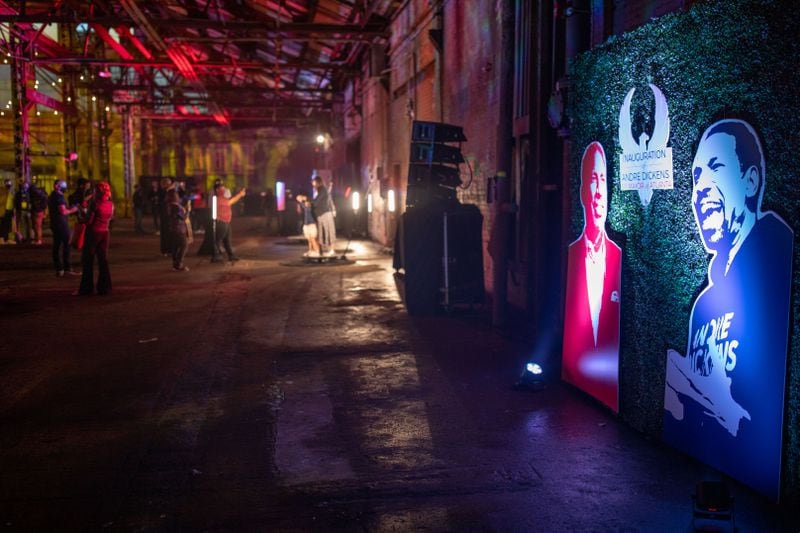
[(724, 398)]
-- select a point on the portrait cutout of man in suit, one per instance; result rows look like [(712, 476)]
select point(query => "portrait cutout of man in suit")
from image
[(590, 358), (724, 398)]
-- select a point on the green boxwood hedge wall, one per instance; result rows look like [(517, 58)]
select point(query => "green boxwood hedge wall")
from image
[(724, 58)]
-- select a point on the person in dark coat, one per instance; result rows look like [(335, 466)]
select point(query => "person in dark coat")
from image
[(38, 209), (324, 215), (179, 229), (139, 204), (80, 199), (22, 213), (269, 206), (6, 211), (165, 231), (153, 207), (59, 225), (101, 211)]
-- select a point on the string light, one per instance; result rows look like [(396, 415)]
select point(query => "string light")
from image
[(69, 98), (108, 109), (55, 111), (94, 98)]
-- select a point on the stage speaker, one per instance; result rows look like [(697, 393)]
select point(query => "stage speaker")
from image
[(426, 193), (462, 256), (421, 259), (433, 172), (436, 132), (430, 153), (441, 254), (439, 174)]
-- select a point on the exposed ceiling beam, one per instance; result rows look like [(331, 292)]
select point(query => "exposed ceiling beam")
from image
[(209, 65), (268, 27), (281, 104), (266, 119), (231, 89), (161, 44), (269, 39)]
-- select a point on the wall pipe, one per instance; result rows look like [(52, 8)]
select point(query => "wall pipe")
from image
[(499, 242)]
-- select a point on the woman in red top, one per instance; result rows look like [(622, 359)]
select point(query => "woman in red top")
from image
[(101, 210)]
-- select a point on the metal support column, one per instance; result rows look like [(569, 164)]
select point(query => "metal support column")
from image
[(104, 133), (180, 152), (90, 142), (147, 141), (147, 148), (70, 121), (129, 167), (19, 109)]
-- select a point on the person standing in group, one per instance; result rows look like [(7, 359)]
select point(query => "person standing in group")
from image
[(101, 210), (80, 199), (185, 199), (22, 213), (310, 231), (139, 202), (38, 207), (179, 229), (6, 211), (224, 215), (59, 225), (326, 226), (198, 214), (152, 202), (269, 205), (165, 231)]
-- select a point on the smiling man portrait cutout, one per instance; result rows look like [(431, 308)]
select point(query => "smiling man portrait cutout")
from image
[(723, 400)]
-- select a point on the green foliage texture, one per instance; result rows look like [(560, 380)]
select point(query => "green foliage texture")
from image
[(725, 58)]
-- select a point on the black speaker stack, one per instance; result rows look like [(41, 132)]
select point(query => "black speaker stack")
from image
[(439, 241), (433, 170)]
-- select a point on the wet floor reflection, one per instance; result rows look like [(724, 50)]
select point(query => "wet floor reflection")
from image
[(391, 411)]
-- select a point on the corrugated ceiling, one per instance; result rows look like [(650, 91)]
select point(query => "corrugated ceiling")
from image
[(238, 61)]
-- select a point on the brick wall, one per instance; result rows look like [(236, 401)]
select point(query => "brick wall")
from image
[(470, 96)]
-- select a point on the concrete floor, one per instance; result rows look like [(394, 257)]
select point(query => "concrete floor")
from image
[(264, 397)]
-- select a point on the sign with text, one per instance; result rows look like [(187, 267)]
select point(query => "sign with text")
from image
[(646, 164)]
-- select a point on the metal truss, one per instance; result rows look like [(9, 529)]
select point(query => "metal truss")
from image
[(223, 57)]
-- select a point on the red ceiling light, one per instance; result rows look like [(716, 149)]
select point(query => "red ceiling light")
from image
[(221, 119)]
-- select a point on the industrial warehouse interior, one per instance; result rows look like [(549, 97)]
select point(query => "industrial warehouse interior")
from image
[(399, 265)]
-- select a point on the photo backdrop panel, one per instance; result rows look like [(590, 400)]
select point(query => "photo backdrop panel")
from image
[(590, 356), (723, 398), (711, 63)]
